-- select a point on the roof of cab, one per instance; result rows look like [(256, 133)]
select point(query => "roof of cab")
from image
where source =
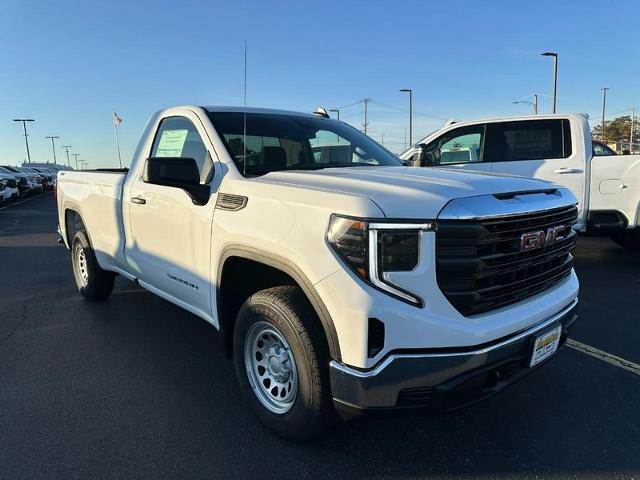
[(272, 111)]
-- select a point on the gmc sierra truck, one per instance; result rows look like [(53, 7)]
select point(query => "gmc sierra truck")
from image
[(341, 284), (557, 148)]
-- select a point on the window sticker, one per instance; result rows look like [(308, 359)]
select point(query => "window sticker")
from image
[(171, 143)]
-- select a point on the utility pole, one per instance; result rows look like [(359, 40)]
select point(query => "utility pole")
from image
[(24, 126), (366, 106), (410, 113), (76, 155), (383, 138), (53, 145), (67, 147), (604, 105), (535, 103), (555, 75)]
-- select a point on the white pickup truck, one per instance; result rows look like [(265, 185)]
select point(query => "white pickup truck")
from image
[(557, 148), (347, 284)]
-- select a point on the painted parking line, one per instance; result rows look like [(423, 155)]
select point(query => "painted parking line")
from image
[(604, 356)]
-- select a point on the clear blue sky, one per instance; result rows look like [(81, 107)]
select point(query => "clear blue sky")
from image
[(68, 63)]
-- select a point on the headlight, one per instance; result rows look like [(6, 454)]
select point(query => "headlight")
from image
[(372, 249)]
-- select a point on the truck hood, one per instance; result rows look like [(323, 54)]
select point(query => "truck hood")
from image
[(406, 192)]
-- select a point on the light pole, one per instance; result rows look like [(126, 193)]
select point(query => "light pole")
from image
[(604, 105), (337, 110), (555, 75), (67, 147), (410, 113), (53, 145), (76, 155), (24, 126)]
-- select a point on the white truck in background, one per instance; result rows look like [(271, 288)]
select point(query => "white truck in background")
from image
[(345, 282), (557, 148)]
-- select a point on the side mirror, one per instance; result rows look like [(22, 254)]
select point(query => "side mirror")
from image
[(177, 172), (420, 156)]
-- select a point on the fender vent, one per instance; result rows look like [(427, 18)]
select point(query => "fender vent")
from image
[(227, 201)]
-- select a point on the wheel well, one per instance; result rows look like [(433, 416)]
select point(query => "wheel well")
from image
[(73, 223), (241, 277)]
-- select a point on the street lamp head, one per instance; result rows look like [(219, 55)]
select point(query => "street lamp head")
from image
[(334, 110), (23, 120), (404, 90), (549, 54)]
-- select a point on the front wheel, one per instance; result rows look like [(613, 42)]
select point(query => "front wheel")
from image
[(93, 282), (281, 362)]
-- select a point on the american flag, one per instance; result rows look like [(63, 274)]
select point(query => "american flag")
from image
[(116, 119)]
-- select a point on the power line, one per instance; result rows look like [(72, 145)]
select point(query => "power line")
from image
[(404, 110), (350, 105)]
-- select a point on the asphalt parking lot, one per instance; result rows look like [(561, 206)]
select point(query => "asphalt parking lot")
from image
[(137, 388)]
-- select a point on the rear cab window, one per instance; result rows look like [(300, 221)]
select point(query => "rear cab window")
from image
[(528, 140)]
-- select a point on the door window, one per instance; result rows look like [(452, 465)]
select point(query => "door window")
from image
[(528, 140), (600, 150), (462, 145), (178, 137)]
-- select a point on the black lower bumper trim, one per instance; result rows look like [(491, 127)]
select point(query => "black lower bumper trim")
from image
[(440, 383)]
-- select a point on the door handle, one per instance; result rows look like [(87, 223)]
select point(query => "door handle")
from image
[(138, 200), (567, 170)]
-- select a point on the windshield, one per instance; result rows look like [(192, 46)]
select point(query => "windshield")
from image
[(7, 169), (291, 142)]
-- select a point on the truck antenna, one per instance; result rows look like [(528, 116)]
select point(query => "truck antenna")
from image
[(244, 119)]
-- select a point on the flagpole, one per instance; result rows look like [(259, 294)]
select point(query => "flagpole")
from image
[(115, 129)]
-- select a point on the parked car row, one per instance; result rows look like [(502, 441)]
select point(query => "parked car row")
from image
[(16, 182)]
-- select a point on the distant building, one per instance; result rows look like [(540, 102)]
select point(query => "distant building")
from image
[(56, 166)]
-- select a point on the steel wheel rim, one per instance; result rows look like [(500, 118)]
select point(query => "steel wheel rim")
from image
[(81, 266), (271, 367)]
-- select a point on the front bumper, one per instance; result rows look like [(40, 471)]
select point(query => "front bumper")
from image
[(441, 379)]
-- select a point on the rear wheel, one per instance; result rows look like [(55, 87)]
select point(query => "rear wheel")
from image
[(629, 239), (93, 282), (281, 362)]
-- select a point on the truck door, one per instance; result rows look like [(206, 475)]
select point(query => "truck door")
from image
[(541, 149), (460, 148), (170, 242)]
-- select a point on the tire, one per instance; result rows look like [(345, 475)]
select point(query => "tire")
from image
[(629, 239), (283, 320), (93, 282)]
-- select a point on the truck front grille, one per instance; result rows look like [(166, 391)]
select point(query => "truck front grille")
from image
[(483, 265), (12, 183)]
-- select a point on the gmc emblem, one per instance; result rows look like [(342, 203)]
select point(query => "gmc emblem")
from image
[(534, 240)]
